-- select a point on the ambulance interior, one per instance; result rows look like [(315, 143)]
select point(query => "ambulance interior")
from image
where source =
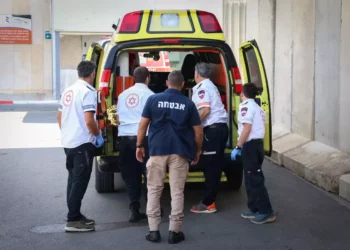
[(161, 63)]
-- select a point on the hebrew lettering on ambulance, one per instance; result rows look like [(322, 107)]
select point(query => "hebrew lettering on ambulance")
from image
[(171, 105)]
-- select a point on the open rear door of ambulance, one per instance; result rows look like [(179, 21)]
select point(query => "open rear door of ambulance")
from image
[(254, 71), (95, 54)]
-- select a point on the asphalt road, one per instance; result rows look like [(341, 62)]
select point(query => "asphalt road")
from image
[(33, 208)]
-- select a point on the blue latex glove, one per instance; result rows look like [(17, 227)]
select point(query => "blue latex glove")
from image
[(235, 152), (99, 141)]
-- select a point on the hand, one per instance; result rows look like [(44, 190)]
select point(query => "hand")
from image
[(196, 159), (140, 154), (99, 141), (235, 152)]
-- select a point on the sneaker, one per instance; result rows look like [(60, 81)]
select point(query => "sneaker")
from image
[(264, 218), (87, 221), (153, 236), (203, 209), (78, 226), (249, 215), (175, 237)]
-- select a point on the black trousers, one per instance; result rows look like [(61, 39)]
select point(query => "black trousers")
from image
[(212, 159), (79, 165), (132, 170), (252, 158)]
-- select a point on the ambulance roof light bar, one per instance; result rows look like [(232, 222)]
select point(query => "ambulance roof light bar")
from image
[(131, 22), (208, 22)]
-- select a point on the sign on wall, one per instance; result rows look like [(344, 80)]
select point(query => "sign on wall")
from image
[(15, 29)]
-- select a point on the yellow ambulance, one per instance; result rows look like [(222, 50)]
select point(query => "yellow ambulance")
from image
[(187, 37)]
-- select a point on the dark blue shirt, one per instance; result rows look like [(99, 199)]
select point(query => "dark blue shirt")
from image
[(172, 117)]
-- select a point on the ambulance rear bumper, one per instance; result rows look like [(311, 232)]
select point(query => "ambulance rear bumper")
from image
[(110, 164)]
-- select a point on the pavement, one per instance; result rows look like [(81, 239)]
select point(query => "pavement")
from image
[(33, 208)]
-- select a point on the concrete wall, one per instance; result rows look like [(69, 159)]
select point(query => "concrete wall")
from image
[(27, 68), (99, 16), (305, 46)]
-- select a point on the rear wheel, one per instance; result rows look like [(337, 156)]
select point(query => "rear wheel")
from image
[(104, 182)]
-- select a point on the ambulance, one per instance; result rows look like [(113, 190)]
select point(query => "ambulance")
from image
[(186, 37)]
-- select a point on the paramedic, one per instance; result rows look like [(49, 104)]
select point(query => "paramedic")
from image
[(214, 120), (130, 105), (251, 131), (80, 136)]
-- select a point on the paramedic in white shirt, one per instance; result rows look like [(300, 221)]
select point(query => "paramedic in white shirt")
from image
[(250, 145), (129, 110), (214, 119), (80, 136)]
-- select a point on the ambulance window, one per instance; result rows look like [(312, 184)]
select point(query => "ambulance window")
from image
[(253, 68)]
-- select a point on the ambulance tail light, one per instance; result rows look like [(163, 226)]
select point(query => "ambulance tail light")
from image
[(237, 79), (131, 22), (104, 83), (209, 22)]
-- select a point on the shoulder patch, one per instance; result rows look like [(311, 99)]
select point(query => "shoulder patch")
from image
[(201, 93), (244, 111)]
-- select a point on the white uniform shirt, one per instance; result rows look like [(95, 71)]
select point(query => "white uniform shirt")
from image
[(206, 94), (130, 106), (251, 113), (75, 100)]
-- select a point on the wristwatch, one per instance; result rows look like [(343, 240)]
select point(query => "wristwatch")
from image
[(139, 146), (238, 147)]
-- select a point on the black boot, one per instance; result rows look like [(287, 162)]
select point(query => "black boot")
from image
[(153, 236), (175, 237), (136, 216)]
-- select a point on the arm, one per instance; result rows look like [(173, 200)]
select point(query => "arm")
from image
[(195, 122), (203, 113), (202, 100), (59, 118), (141, 133), (91, 124), (245, 134)]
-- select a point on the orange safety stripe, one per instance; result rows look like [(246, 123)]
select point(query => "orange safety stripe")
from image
[(202, 104)]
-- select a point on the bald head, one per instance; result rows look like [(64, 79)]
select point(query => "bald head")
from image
[(176, 79)]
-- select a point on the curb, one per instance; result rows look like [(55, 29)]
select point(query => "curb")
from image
[(10, 102), (317, 163)]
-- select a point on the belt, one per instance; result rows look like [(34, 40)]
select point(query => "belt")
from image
[(252, 140), (134, 137), (217, 125)]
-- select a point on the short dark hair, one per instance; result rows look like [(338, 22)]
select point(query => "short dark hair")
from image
[(203, 69), (86, 68), (140, 74), (176, 78), (250, 90)]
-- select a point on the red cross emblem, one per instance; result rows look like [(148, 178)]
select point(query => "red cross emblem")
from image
[(132, 101), (67, 98)]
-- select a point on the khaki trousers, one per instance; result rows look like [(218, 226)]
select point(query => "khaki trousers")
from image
[(156, 173)]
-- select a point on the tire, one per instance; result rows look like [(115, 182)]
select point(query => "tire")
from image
[(104, 182), (234, 175)]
